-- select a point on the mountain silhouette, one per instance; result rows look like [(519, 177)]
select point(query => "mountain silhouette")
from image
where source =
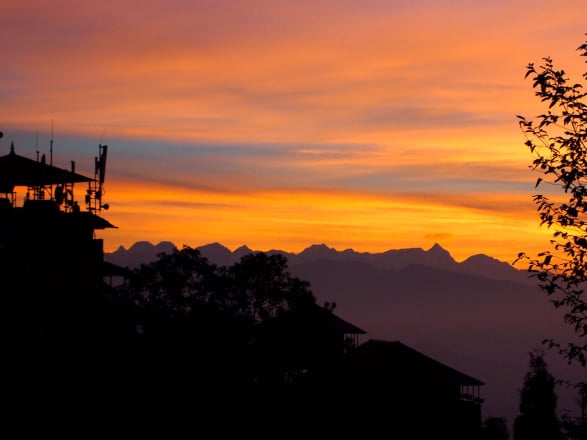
[(436, 256), (480, 315), (139, 253)]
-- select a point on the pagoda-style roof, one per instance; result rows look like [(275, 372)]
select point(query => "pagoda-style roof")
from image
[(16, 170)]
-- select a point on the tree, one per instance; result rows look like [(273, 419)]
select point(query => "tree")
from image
[(495, 428), (576, 427), (557, 140), (255, 289), (537, 419), (262, 288), (197, 348)]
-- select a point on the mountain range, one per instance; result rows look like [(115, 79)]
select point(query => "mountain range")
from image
[(397, 259), (481, 316)]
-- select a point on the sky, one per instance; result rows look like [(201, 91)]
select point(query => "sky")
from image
[(370, 125)]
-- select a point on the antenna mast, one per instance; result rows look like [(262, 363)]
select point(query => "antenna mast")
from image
[(96, 191), (51, 145)]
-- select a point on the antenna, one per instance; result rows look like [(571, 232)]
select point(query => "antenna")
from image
[(96, 191), (101, 162), (37, 144), (51, 145)]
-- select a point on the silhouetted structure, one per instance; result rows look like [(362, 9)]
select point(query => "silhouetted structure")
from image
[(62, 333), (410, 395), (305, 338), (48, 242), (350, 391)]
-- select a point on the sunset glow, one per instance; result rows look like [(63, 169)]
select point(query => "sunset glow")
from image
[(370, 125)]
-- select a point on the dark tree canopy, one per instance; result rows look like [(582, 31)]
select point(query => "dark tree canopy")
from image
[(177, 281), (261, 287), (575, 427), (196, 339), (255, 289), (557, 140), (537, 419), (495, 428)]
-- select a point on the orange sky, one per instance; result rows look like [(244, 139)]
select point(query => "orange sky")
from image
[(370, 125)]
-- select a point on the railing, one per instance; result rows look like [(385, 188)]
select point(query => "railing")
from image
[(471, 393)]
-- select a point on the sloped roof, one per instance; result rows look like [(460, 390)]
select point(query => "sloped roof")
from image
[(18, 170), (313, 317), (395, 358), (92, 220)]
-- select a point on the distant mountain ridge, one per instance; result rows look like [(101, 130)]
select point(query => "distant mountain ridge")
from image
[(395, 259), (139, 253)]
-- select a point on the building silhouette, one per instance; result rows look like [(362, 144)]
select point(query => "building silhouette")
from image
[(47, 238), (349, 390)]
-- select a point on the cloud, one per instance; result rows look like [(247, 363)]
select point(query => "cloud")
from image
[(360, 123)]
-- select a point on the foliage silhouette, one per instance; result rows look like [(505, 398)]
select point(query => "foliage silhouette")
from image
[(198, 324), (557, 139), (576, 427), (537, 419), (261, 288), (494, 428), (255, 289)]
